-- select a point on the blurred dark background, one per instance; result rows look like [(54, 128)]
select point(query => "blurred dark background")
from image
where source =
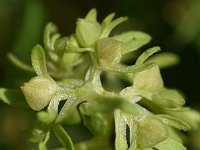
[(173, 24)]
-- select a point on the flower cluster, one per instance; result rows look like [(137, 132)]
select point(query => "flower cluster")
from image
[(146, 114)]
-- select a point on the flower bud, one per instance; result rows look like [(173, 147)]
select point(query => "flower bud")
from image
[(60, 44), (87, 32), (109, 51), (151, 132), (38, 92), (70, 59), (149, 80)]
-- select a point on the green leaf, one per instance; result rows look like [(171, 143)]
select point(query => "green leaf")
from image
[(63, 137), (39, 62), (174, 122), (91, 15), (170, 144), (120, 131), (17, 62), (53, 40), (106, 31), (165, 60), (146, 54), (50, 29), (191, 117), (13, 97), (168, 98), (107, 20), (133, 40)]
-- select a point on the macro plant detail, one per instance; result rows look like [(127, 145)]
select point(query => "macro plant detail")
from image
[(69, 69)]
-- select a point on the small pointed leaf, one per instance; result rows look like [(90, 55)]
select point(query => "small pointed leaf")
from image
[(106, 31), (50, 29), (19, 63), (165, 60), (53, 40), (130, 69), (63, 137), (190, 116), (174, 122), (91, 15), (39, 62), (146, 54), (107, 20)]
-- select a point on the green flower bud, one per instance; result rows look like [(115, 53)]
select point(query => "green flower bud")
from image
[(70, 59), (151, 132), (149, 80), (38, 92), (60, 44), (87, 32), (109, 51)]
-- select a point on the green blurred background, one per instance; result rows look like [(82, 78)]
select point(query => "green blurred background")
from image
[(173, 24)]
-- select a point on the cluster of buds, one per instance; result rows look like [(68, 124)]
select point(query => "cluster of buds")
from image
[(69, 68)]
